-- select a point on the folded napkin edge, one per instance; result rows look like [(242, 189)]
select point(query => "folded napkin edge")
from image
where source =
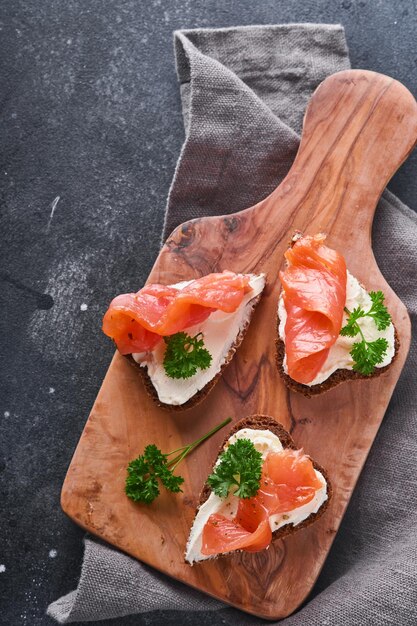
[(292, 25)]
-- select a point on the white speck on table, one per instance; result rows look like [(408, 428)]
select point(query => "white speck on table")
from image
[(2, 568), (51, 390), (52, 554), (84, 307), (7, 414), (53, 207)]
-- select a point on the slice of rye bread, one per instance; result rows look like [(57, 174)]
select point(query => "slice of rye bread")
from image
[(339, 376), (201, 394), (265, 422)]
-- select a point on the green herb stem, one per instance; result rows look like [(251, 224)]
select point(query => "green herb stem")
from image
[(185, 450), (358, 328)]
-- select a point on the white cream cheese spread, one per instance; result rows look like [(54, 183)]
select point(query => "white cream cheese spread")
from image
[(339, 354), (220, 331), (264, 441)]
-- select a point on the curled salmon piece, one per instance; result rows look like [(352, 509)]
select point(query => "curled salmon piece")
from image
[(288, 481), (221, 535), (291, 469), (314, 293), (138, 321)]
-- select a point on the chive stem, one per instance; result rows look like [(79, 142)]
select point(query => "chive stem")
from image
[(185, 450)]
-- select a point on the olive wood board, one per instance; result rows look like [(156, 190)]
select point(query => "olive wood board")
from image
[(358, 128)]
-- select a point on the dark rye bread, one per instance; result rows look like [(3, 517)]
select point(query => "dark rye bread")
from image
[(200, 395), (339, 376), (265, 422)]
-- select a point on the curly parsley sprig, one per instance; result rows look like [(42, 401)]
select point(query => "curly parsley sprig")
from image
[(240, 466), (185, 354), (368, 354), (147, 471)]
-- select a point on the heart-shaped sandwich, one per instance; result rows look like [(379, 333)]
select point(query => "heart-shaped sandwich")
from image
[(181, 336), (261, 488), (330, 328)]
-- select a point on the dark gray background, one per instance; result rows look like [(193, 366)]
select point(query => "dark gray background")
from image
[(90, 112)]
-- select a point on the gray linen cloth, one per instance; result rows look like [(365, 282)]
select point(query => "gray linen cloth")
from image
[(244, 92)]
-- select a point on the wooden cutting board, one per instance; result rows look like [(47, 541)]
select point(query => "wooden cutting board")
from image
[(359, 127)]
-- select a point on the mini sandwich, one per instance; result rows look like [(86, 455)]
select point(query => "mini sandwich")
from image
[(261, 488), (330, 329), (182, 336)]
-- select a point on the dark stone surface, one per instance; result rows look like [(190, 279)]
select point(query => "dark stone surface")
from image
[(91, 114)]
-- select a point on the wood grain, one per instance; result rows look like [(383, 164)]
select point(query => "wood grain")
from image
[(359, 127)]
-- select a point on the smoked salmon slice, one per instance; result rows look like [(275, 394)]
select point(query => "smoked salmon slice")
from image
[(221, 535), (314, 294), (288, 481), (138, 321)]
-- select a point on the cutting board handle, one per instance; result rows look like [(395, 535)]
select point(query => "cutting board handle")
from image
[(355, 118), (358, 128)]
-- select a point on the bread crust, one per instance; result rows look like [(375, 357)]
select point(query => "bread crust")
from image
[(339, 376), (202, 393), (265, 422)]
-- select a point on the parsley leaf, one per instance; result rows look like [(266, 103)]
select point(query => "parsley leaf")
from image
[(240, 466), (379, 311), (145, 472), (368, 354), (185, 354), (352, 328), (141, 482)]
